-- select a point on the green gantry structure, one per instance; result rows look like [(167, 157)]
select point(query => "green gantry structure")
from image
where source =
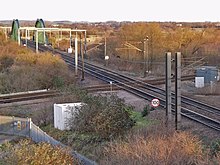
[(42, 37), (14, 30)]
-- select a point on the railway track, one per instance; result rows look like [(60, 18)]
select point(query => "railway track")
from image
[(25, 96), (162, 80), (146, 90), (108, 87)]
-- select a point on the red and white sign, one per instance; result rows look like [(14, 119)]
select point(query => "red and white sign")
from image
[(155, 102)]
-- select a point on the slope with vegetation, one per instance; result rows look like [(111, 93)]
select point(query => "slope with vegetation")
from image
[(27, 152), (105, 129), (23, 70)]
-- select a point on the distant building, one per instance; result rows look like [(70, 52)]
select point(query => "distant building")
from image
[(55, 25), (179, 24), (209, 74)]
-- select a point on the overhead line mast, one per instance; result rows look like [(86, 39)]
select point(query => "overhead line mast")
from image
[(43, 29)]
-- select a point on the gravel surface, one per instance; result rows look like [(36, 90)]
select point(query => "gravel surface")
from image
[(205, 95), (206, 134), (6, 138), (188, 89)]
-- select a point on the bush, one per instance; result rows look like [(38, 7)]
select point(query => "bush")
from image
[(175, 148), (215, 148), (23, 70), (105, 117), (26, 152), (19, 79), (33, 71), (147, 110), (6, 62)]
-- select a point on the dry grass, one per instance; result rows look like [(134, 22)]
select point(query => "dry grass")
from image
[(23, 70), (158, 146), (209, 90), (26, 152)]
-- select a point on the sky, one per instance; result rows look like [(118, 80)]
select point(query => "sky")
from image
[(112, 10)]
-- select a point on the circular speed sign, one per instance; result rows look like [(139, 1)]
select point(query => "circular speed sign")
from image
[(155, 102)]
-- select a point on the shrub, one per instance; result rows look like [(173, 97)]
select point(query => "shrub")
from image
[(6, 62), (42, 153), (146, 110), (19, 79), (23, 70), (33, 71), (215, 148), (105, 117), (175, 148)]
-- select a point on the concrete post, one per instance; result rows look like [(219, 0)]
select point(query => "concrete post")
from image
[(177, 89), (30, 122), (19, 39), (28, 31), (44, 36), (36, 34), (168, 87), (145, 63), (82, 56), (26, 35), (6, 37), (76, 55), (58, 41), (70, 38), (85, 48)]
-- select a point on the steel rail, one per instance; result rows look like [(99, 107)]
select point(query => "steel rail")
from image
[(120, 80)]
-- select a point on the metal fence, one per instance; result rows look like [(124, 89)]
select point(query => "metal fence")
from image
[(38, 135), (25, 127), (15, 126)]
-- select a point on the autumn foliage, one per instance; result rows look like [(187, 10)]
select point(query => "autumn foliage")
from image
[(23, 70), (173, 148), (26, 152)]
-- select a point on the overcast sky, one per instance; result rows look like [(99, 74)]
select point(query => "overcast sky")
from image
[(114, 10)]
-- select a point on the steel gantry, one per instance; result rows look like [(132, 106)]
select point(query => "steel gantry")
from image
[(6, 30), (44, 30)]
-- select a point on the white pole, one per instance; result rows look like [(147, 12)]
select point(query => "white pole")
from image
[(111, 86), (6, 34), (70, 38), (30, 123), (36, 41), (58, 43), (76, 55), (44, 37), (19, 41), (29, 34), (61, 34), (26, 37)]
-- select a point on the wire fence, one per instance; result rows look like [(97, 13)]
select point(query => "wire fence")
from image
[(24, 127)]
